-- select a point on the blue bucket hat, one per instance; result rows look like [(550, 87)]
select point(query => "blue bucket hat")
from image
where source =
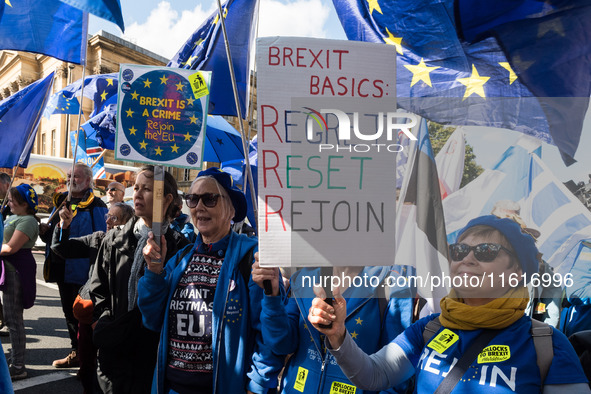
[(29, 195), (522, 243), (236, 196)]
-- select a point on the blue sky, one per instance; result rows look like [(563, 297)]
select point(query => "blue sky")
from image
[(163, 26)]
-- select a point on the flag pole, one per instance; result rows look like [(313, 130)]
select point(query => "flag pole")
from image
[(238, 109), (80, 114)]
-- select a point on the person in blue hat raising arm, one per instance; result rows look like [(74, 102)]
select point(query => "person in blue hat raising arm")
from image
[(482, 341), (204, 303), (21, 230)]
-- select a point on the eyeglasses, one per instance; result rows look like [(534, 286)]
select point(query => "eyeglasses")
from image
[(210, 200), (111, 217), (485, 252), (114, 190)]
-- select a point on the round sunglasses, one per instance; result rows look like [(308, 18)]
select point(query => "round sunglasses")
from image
[(210, 200), (485, 252)]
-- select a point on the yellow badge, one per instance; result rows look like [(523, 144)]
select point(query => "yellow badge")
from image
[(199, 85), (443, 341), (300, 382), (541, 307), (342, 388), (494, 354)]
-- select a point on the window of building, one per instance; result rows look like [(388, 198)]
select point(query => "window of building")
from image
[(43, 144), (53, 142)]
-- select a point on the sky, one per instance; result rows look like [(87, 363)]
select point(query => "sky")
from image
[(163, 26)]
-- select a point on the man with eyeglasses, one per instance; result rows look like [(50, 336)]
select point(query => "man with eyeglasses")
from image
[(115, 193)]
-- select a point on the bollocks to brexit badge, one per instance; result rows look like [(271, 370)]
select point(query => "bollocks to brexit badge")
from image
[(160, 118)]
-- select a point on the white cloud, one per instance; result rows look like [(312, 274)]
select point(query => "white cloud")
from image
[(166, 29), (303, 18)]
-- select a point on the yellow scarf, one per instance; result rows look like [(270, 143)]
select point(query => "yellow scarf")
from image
[(497, 314)]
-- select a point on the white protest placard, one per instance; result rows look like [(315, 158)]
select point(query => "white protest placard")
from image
[(327, 143), (161, 116)]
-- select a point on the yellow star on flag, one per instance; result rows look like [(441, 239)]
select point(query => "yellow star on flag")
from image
[(147, 83), (193, 119), (196, 43), (163, 80), (109, 81), (158, 151), (190, 101), (553, 25), (143, 144), (187, 136), (358, 320), (104, 95), (129, 113), (132, 130), (179, 86), (396, 41), (374, 5), (134, 95), (8, 2), (190, 61), (512, 75), (354, 335), (420, 72), (175, 148), (474, 84)]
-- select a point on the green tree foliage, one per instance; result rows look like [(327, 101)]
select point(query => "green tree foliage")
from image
[(439, 135)]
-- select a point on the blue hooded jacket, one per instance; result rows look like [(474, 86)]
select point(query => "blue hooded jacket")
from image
[(240, 358), (311, 369)]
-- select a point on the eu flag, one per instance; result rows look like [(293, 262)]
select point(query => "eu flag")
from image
[(48, 27), (62, 103), (19, 117), (106, 9), (101, 89), (441, 77), (205, 50), (548, 44)]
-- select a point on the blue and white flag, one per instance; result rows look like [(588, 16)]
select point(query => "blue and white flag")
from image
[(546, 204)]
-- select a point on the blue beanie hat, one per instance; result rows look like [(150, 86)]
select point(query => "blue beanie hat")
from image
[(236, 196), (29, 195), (522, 243)]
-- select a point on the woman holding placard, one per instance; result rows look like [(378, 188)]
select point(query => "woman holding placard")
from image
[(482, 341), (126, 349), (204, 302)]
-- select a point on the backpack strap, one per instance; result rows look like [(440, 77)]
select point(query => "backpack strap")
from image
[(542, 336), (431, 329)]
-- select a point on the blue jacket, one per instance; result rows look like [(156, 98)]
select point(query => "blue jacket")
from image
[(86, 221), (311, 369), (239, 354)]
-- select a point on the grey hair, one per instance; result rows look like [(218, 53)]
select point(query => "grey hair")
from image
[(126, 210), (87, 171)]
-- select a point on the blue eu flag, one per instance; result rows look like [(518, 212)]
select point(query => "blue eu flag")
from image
[(19, 118), (101, 89), (106, 9), (205, 50), (49, 27), (548, 44), (444, 78)]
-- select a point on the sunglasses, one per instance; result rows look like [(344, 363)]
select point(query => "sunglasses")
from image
[(210, 200), (485, 252), (115, 190)]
